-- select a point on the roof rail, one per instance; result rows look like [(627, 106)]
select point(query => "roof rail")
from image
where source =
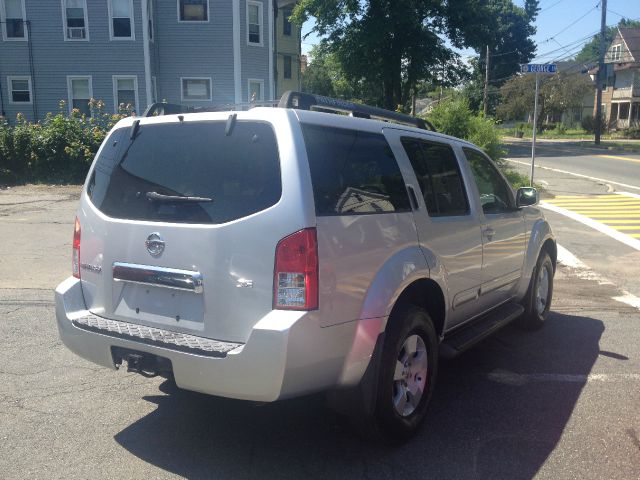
[(308, 101), (156, 109)]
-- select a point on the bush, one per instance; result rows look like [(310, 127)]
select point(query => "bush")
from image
[(58, 149), (633, 133), (455, 118), (588, 124)]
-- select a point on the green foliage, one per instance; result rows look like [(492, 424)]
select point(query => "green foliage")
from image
[(58, 149), (591, 50), (633, 133), (387, 48), (588, 123), (454, 117), (558, 93)]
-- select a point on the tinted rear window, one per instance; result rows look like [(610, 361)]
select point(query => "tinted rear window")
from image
[(353, 172), (240, 172)]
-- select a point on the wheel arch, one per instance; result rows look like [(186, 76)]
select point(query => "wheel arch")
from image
[(427, 294)]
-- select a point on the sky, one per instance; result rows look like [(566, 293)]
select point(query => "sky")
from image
[(560, 23)]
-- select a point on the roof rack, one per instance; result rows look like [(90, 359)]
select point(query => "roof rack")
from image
[(301, 101), (319, 103)]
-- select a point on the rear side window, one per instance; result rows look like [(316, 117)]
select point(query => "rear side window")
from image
[(233, 175), (438, 174), (353, 172)]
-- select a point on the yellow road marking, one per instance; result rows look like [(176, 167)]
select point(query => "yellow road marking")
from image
[(616, 157), (611, 220), (625, 227)]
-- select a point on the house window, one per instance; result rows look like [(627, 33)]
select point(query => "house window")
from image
[(14, 20), (287, 66), (125, 93), (286, 24), (196, 89), (19, 89), (616, 52), (75, 20), (80, 92), (121, 12), (254, 23), (256, 90), (193, 10)]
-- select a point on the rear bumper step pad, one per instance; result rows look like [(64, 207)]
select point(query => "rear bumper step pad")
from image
[(155, 336)]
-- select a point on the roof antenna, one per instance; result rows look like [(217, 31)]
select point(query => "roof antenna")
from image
[(231, 122)]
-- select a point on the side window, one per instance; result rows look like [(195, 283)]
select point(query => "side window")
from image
[(495, 194), (438, 174), (353, 172)]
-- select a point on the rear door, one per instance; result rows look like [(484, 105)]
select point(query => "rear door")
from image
[(180, 224), (447, 226)]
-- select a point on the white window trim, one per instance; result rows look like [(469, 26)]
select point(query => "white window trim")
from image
[(193, 21), (114, 79), (260, 18), (3, 18), (154, 86), (196, 100), (64, 24), (617, 48), (70, 90), (9, 87), (255, 80), (131, 19)]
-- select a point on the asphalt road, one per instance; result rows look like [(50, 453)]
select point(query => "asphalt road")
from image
[(615, 165), (563, 402), (560, 167)]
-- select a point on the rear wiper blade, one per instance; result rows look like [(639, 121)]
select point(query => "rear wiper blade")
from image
[(176, 198)]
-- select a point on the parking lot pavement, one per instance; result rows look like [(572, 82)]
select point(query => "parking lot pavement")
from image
[(563, 402)]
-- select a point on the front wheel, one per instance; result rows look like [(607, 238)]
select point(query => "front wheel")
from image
[(538, 299), (407, 374)]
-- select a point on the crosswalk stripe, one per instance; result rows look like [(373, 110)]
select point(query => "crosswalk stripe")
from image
[(620, 211)]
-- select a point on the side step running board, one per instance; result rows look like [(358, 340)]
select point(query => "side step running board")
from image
[(467, 336)]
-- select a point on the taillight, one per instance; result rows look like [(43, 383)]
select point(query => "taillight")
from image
[(295, 283), (75, 259)]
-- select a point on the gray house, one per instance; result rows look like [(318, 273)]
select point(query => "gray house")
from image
[(195, 52)]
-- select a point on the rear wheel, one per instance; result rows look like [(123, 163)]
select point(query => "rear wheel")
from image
[(537, 302), (407, 374)]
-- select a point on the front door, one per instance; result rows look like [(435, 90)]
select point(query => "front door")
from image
[(503, 231)]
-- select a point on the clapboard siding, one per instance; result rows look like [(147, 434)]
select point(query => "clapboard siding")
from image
[(178, 50)]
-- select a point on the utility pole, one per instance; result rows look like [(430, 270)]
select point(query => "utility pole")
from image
[(601, 77), (485, 100)]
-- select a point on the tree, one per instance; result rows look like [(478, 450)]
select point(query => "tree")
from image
[(591, 50), (558, 94), (391, 45)]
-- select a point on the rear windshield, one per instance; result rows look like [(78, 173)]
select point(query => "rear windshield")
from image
[(232, 175), (353, 172)]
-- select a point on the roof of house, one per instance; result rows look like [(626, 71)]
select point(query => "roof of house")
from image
[(631, 37)]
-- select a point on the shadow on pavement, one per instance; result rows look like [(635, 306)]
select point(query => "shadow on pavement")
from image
[(498, 412)]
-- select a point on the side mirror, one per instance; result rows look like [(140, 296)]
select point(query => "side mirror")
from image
[(526, 196)]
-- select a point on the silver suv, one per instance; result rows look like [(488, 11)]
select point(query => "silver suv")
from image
[(275, 252)]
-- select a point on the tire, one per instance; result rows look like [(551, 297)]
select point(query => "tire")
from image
[(536, 304), (406, 375)]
